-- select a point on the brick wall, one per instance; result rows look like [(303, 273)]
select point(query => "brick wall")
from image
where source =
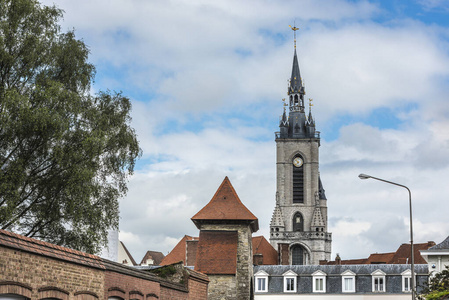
[(284, 254), (198, 286), (129, 287), (39, 270), (173, 294), (36, 277)]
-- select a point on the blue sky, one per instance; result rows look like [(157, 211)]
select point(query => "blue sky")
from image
[(206, 79)]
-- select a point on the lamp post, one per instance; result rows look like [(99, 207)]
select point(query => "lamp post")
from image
[(412, 279)]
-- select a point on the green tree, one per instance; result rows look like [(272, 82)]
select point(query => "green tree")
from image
[(438, 286), (65, 155)]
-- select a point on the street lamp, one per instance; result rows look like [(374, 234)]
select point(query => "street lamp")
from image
[(412, 280)]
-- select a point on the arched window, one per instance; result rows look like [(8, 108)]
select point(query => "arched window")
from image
[(298, 222), (297, 255), (298, 179)]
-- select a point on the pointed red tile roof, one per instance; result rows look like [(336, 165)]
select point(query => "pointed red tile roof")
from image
[(178, 253), (226, 205), (262, 246)]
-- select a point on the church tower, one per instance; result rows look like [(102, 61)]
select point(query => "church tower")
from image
[(298, 228)]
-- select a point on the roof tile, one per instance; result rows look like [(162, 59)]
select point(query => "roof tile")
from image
[(226, 205)]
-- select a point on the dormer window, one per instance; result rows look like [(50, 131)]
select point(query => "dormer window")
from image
[(261, 281), (348, 282), (378, 281), (290, 281), (319, 282), (406, 281)]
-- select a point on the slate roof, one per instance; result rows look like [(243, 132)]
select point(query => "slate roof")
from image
[(262, 246), (360, 261), (156, 256), (444, 245), (217, 252), (308, 270), (225, 205), (17, 241), (178, 253)]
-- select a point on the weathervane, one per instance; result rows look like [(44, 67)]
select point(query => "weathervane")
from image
[(294, 28)]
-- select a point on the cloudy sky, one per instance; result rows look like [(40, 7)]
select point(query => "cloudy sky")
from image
[(206, 79)]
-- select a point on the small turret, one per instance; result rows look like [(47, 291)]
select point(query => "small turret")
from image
[(283, 125), (310, 124)]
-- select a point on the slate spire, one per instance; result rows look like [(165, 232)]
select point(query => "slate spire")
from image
[(296, 86)]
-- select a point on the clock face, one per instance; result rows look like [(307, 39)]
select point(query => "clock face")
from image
[(297, 162)]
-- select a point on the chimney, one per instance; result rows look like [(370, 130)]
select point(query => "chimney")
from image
[(338, 259)]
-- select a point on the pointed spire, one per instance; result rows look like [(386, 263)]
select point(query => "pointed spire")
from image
[(310, 118), (317, 219), (277, 220), (284, 120), (296, 85), (295, 80)]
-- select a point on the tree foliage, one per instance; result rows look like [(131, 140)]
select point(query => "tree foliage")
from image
[(438, 286), (65, 154)]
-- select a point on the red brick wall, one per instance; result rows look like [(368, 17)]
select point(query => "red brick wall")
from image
[(171, 294), (191, 249), (197, 289), (129, 287), (46, 277), (36, 276), (284, 254)]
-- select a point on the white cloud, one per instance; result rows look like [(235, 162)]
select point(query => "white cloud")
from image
[(208, 78)]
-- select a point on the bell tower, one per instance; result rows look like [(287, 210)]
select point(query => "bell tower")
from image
[(298, 228)]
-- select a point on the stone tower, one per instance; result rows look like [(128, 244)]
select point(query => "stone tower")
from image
[(298, 228), (225, 245)]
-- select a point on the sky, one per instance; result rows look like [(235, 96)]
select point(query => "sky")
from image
[(206, 80)]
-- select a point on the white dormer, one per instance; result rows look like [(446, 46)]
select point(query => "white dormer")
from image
[(406, 281), (290, 281), (261, 281), (378, 281), (348, 282), (319, 281)]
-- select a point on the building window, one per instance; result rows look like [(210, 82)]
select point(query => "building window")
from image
[(297, 255), (261, 281), (298, 180), (378, 281), (406, 281), (290, 282), (298, 223), (319, 282), (348, 282)]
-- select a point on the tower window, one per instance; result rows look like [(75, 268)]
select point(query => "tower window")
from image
[(297, 255), (298, 180), (298, 222)]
